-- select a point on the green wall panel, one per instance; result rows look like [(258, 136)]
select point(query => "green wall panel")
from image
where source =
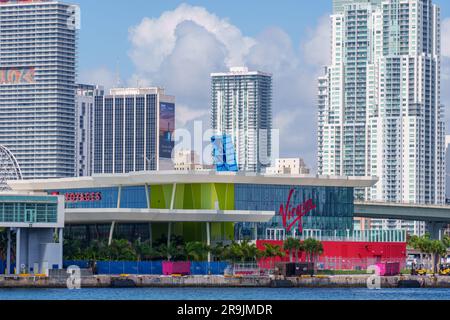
[(191, 197), (160, 196)]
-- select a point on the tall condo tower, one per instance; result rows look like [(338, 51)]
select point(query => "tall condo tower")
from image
[(84, 100), (38, 45), (242, 109), (379, 108)]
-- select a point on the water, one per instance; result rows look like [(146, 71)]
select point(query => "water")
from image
[(224, 294)]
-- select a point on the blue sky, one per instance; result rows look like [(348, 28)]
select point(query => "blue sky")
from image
[(176, 44), (105, 23)]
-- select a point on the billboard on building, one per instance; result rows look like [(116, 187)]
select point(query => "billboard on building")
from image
[(166, 129), (17, 75)]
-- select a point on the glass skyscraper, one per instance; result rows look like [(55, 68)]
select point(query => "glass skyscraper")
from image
[(37, 86), (242, 109), (379, 106), (133, 131)]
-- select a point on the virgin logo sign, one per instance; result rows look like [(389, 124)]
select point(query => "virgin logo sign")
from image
[(292, 215)]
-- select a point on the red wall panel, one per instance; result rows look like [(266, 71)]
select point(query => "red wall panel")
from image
[(355, 250)]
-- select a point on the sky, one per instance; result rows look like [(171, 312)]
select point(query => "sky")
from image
[(177, 44)]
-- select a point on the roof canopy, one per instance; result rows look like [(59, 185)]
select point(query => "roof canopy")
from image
[(178, 177)]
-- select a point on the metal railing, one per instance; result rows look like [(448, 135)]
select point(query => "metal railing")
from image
[(394, 236)]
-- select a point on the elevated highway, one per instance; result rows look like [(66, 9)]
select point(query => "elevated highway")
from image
[(436, 217)]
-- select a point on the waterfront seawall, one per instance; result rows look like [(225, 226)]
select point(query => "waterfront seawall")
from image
[(357, 281)]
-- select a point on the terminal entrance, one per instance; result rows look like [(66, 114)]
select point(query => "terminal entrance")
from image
[(31, 233), (30, 251)]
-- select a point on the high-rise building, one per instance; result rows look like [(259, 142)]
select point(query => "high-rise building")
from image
[(242, 109), (133, 131), (38, 45), (84, 103), (292, 166), (447, 176), (447, 170), (379, 105)]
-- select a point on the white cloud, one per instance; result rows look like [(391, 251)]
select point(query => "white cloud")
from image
[(186, 114), (153, 40), (316, 48), (187, 69), (273, 52)]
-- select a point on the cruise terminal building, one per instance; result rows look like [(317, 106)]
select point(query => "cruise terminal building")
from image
[(236, 206), (214, 207)]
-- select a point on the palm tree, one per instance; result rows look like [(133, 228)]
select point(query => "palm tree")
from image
[(290, 245), (145, 251), (3, 244), (300, 247), (218, 251), (241, 252), (313, 249), (122, 250), (250, 251), (271, 251), (438, 250), (197, 250), (173, 252), (433, 249), (72, 249), (446, 241)]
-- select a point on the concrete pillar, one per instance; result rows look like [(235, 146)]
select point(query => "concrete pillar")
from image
[(435, 228), (147, 196), (172, 200), (8, 252), (18, 253), (208, 238), (111, 233), (119, 197), (61, 247)]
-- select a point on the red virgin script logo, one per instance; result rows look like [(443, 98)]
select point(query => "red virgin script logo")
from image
[(293, 215)]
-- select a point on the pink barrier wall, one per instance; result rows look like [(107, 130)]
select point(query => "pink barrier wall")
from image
[(389, 269), (169, 268)]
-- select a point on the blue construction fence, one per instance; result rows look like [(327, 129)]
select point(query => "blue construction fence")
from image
[(147, 267), (3, 267)]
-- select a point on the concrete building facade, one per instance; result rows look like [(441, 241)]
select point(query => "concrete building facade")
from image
[(293, 166)]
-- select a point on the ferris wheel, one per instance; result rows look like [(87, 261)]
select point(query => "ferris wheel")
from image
[(9, 168)]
